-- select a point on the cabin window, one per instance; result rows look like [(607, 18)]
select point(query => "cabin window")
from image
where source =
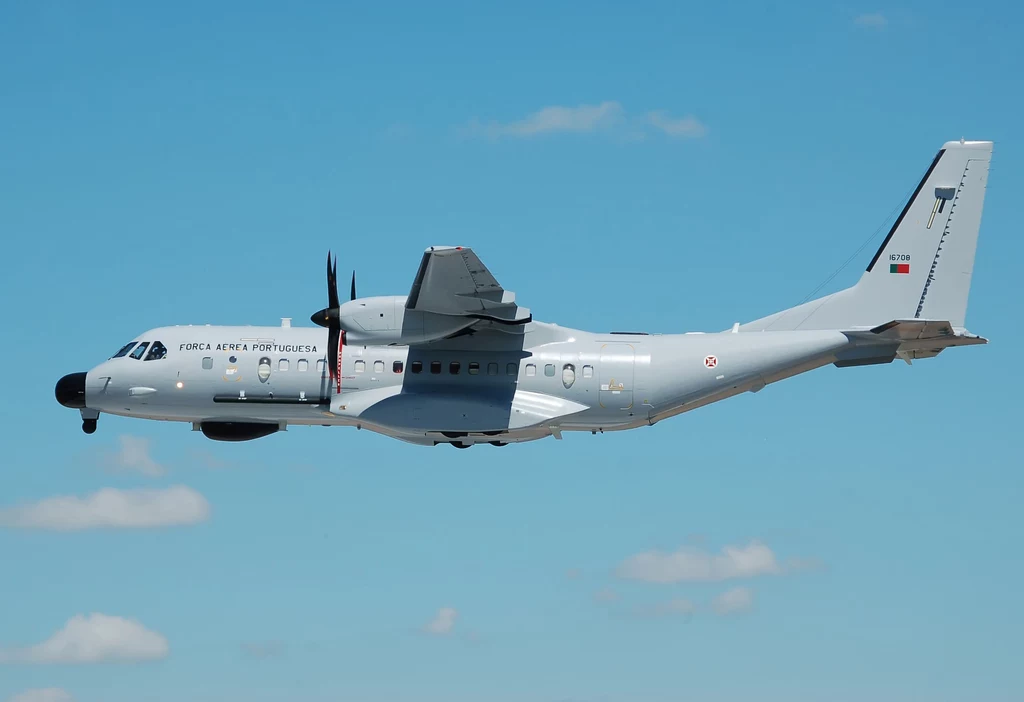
[(360, 366), (137, 353), (454, 367), (492, 369), (321, 366), (474, 368), (396, 367), (156, 351), (124, 350), (549, 370), (282, 365), (512, 369), (531, 370), (435, 367), (588, 371), (263, 372), (303, 365), (207, 362), (568, 375), (378, 366), (416, 366)]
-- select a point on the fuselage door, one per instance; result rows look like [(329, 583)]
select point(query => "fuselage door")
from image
[(616, 376)]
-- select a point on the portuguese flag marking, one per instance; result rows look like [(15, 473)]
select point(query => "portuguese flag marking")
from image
[(899, 267)]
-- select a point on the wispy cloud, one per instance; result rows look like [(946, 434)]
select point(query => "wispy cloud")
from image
[(689, 564), (738, 599), (606, 594), (45, 694), (443, 622), (677, 606), (206, 459), (133, 455), (398, 130), (871, 20), (110, 508), (95, 638), (607, 117), (687, 127), (796, 565), (263, 649), (556, 118)]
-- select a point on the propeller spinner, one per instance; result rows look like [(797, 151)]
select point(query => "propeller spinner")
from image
[(330, 317)]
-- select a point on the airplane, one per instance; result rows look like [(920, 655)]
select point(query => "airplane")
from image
[(458, 361)]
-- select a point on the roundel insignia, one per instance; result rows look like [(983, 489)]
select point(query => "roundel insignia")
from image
[(710, 361)]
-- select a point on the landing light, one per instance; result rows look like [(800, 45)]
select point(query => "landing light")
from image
[(179, 385)]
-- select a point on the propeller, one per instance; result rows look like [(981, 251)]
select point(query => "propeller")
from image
[(330, 317)]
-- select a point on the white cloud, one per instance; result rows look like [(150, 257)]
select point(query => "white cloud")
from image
[(689, 564), (582, 118), (46, 694), (606, 595), (110, 508), (688, 127), (443, 622), (134, 455), (95, 638), (871, 20), (738, 599)]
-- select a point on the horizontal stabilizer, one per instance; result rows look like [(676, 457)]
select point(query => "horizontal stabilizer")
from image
[(930, 330), (908, 339)]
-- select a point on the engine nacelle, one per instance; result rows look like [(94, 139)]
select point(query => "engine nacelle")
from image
[(385, 320)]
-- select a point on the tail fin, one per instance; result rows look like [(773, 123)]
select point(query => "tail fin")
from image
[(923, 268)]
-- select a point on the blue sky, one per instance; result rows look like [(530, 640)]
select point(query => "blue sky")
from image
[(846, 535)]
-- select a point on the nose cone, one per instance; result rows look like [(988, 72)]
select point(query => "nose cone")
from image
[(324, 317), (70, 390)]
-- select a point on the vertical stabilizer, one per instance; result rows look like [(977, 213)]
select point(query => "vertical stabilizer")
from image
[(923, 268)]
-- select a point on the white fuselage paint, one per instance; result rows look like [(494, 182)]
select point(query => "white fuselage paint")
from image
[(516, 390)]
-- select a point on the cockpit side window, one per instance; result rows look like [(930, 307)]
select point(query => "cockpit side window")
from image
[(137, 353), (124, 350), (156, 351)]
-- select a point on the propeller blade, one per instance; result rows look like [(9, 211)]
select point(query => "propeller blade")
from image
[(333, 337), (353, 285), (330, 317), (332, 283)]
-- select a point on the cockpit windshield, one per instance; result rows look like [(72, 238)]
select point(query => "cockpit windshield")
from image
[(156, 352), (124, 349), (137, 353)]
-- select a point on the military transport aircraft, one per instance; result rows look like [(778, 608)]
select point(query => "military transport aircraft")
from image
[(458, 361)]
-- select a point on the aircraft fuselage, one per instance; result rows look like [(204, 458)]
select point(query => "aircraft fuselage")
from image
[(244, 382)]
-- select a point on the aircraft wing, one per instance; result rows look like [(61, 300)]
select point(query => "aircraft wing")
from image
[(453, 281)]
